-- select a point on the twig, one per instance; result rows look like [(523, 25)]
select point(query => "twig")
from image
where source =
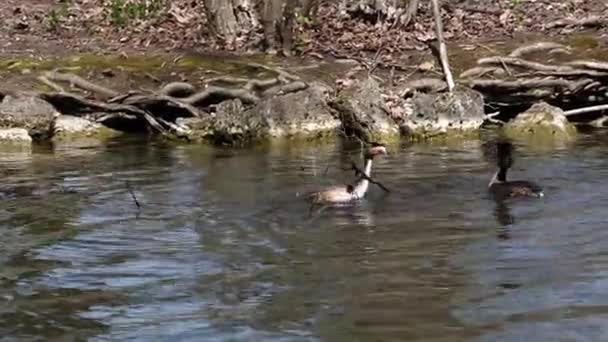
[(133, 195), (586, 110), (362, 174), (443, 53)]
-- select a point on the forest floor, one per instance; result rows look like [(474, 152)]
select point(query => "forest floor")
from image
[(54, 28)]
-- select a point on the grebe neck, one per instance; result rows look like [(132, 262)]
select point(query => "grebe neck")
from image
[(363, 184), (499, 177)]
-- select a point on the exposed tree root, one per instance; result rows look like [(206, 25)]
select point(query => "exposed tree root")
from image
[(424, 85), (159, 110), (81, 83), (513, 79), (534, 48), (588, 21), (600, 66), (177, 89)]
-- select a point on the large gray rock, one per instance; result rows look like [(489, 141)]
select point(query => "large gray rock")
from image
[(541, 122), (29, 112), (428, 115), (301, 114), (364, 113)]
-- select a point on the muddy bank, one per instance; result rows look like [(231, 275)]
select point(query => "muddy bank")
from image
[(232, 100)]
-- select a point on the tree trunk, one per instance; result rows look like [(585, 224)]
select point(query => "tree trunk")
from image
[(278, 22), (231, 18), (385, 10), (309, 8)]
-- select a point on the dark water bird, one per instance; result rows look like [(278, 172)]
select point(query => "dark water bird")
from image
[(348, 193), (500, 187)]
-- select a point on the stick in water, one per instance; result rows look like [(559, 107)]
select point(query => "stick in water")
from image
[(133, 195), (359, 172)]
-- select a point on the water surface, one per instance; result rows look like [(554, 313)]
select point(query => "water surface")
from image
[(225, 249)]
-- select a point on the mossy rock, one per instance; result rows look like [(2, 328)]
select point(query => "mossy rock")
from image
[(71, 128), (363, 112), (458, 114), (542, 123)]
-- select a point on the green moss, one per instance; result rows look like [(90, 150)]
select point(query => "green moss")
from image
[(583, 41)]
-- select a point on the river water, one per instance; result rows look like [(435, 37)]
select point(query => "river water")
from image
[(224, 249)]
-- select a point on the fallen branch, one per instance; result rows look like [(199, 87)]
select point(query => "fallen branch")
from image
[(443, 53), (81, 83), (535, 47), (362, 174), (586, 110)]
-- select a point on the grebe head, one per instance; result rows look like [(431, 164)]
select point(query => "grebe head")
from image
[(375, 150)]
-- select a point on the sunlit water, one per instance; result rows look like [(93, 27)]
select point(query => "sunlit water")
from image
[(224, 248)]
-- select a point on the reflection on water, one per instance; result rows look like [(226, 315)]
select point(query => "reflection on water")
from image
[(224, 248)]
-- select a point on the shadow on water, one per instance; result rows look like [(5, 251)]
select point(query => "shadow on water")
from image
[(223, 249)]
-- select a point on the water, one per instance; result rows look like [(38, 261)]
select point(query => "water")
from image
[(223, 248)]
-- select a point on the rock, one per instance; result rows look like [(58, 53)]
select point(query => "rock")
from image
[(432, 114), (69, 127), (364, 113), (541, 121), (301, 114), (19, 136), (29, 112)]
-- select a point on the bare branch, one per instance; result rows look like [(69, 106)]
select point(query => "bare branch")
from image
[(443, 53), (586, 110)]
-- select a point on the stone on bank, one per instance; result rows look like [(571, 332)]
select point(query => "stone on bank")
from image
[(542, 121), (301, 114), (427, 115)]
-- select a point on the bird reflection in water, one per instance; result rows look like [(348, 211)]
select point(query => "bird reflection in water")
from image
[(502, 213)]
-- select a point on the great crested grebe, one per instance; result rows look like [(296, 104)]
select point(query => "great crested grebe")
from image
[(500, 187), (347, 193)]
